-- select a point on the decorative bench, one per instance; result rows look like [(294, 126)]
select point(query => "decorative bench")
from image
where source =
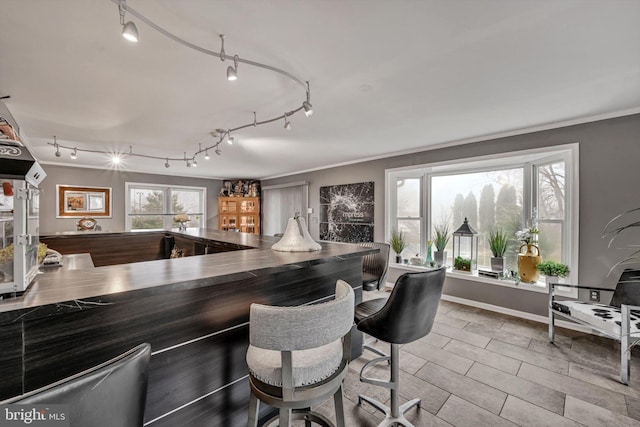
[(620, 320)]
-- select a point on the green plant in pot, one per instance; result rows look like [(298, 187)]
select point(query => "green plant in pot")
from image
[(440, 241), (498, 243), (398, 243), (552, 270), (462, 264)]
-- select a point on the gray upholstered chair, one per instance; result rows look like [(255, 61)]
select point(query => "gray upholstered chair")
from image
[(374, 266), (619, 320), (298, 357), (406, 316), (111, 394)]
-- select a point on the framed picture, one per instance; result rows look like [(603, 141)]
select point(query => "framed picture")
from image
[(75, 201)]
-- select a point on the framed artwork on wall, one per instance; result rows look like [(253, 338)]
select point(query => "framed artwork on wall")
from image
[(75, 201), (346, 212)]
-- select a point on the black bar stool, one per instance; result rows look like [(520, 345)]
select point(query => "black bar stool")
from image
[(407, 315)]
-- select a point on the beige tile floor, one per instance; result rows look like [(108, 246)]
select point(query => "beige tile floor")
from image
[(480, 368)]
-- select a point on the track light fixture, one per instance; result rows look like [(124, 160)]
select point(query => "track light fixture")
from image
[(232, 72), (194, 163), (129, 30), (308, 110), (74, 154), (166, 164), (55, 144)]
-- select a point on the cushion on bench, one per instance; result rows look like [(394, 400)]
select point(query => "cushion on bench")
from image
[(605, 317)]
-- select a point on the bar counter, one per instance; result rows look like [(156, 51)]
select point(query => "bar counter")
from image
[(193, 311)]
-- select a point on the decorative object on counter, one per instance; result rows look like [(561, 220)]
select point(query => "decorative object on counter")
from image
[(441, 240), (182, 220), (177, 252), (240, 188), (465, 247), (7, 188), (429, 259), (417, 260), (296, 238), (75, 201), (498, 243), (398, 243), (552, 270), (86, 223), (531, 257)]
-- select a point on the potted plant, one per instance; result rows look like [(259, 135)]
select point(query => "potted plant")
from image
[(552, 270), (398, 242), (440, 241), (498, 243), (462, 264)]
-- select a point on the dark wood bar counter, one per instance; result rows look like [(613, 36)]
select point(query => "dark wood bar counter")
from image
[(194, 312)]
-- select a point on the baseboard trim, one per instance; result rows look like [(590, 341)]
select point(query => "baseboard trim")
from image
[(516, 313)]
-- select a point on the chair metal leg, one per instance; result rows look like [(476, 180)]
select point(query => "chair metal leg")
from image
[(339, 407), (625, 345), (254, 405), (394, 415), (551, 315)]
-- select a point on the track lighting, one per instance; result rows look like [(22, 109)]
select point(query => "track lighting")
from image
[(218, 152), (206, 155), (232, 72), (308, 109), (194, 163), (287, 123), (55, 144), (74, 154), (230, 139), (166, 164), (115, 159), (129, 30)]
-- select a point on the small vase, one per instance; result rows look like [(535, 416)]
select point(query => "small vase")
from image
[(440, 257), (497, 263), (398, 259), (429, 259), (527, 262)]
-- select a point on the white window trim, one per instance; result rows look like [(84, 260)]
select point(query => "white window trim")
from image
[(168, 217), (571, 157)]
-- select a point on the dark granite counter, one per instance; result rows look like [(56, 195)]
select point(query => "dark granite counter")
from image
[(194, 312)]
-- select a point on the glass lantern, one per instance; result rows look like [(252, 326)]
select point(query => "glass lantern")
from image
[(465, 248)]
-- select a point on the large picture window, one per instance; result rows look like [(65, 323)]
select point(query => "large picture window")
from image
[(509, 192), (152, 206)]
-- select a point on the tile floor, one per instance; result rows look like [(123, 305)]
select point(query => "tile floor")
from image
[(480, 368)]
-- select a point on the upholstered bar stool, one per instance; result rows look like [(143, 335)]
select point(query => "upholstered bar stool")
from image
[(374, 266), (404, 317), (111, 394), (298, 357)]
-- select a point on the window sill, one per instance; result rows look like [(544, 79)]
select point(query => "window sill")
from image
[(539, 287)]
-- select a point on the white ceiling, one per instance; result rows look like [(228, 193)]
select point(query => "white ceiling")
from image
[(386, 76)]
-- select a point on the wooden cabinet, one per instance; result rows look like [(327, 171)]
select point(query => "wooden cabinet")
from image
[(239, 213)]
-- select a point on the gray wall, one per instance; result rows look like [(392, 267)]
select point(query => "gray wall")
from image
[(609, 184), (116, 180)]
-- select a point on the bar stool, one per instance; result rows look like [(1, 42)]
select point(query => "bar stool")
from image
[(407, 315), (298, 357), (111, 394), (374, 266)]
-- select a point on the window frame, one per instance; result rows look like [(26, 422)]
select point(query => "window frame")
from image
[(167, 215), (529, 159)]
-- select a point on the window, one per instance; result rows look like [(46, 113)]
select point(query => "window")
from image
[(152, 206), (505, 192)]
